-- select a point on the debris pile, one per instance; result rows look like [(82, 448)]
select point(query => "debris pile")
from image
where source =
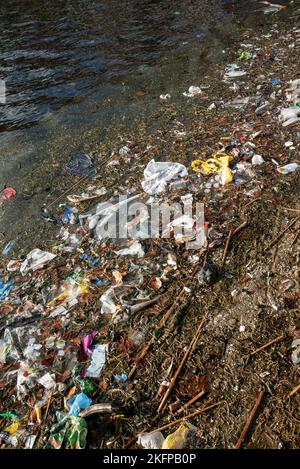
[(127, 322)]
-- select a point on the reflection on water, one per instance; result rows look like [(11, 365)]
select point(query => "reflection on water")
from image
[(59, 52)]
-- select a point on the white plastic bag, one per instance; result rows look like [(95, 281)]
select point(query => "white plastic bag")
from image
[(158, 174), (36, 259), (99, 355), (153, 440), (135, 249)]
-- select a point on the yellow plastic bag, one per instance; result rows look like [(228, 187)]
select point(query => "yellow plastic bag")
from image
[(178, 439), (219, 164), (12, 428)]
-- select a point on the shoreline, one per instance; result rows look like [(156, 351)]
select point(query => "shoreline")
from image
[(254, 301)]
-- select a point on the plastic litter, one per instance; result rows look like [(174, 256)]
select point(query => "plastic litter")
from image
[(272, 7), (8, 193), (238, 103), (135, 249), (103, 214), (85, 384), (208, 274), (98, 361), (8, 248), (178, 439), (12, 428), (121, 377), (165, 97), (87, 342), (296, 351), (245, 55), (72, 288), (289, 116), (288, 168), (36, 259), (293, 93), (70, 215), (91, 193), (153, 440), (108, 302), (157, 176), (192, 91), (9, 415), (29, 443), (276, 81), (219, 164), (77, 403), (5, 288), (257, 160), (69, 432), (81, 164), (235, 74), (47, 381)]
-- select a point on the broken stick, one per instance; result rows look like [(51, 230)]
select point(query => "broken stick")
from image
[(274, 341), (250, 420), (186, 355), (190, 402), (227, 246), (294, 391), (187, 417), (232, 232)]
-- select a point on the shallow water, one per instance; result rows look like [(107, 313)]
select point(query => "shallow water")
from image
[(60, 52)]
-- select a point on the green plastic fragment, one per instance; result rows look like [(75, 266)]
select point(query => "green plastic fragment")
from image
[(245, 56), (9, 415), (86, 385), (69, 432)]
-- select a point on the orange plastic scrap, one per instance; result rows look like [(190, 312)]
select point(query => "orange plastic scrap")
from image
[(219, 164)]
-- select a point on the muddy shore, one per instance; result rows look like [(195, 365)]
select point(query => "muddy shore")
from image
[(254, 301)]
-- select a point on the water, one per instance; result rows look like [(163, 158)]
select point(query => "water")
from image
[(57, 53), (72, 67)]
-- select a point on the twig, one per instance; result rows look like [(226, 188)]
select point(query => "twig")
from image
[(296, 237), (274, 341), (190, 402), (186, 355), (250, 420), (232, 233), (227, 246), (66, 192), (294, 391), (48, 405), (252, 202), (278, 238), (189, 416), (239, 228), (290, 209)]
